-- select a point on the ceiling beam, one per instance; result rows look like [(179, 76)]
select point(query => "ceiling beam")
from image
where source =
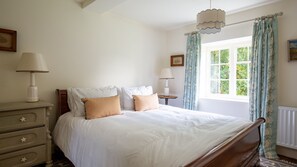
[(100, 6), (85, 3)]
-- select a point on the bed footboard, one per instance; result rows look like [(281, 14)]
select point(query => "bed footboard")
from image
[(240, 150)]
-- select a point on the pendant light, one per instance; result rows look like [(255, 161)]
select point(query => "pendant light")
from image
[(210, 21)]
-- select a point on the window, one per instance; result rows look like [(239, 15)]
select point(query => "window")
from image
[(225, 69)]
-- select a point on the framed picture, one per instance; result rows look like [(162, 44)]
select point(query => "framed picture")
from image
[(8, 40), (177, 60), (292, 45)]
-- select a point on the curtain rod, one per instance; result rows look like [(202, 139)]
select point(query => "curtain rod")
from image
[(257, 18)]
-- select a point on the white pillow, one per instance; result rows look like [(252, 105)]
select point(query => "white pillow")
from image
[(119, 90), (76, 94), (70, 98), (127, 93)]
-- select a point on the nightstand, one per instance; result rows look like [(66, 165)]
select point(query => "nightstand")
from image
[(24, 134), (166, 97)]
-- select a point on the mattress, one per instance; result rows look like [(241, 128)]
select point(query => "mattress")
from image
[(167, 136)]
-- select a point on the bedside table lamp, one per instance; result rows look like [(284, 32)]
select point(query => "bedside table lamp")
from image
[(166, 74), (33, 63)]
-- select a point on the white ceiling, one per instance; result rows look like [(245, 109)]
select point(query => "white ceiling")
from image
[(169, 14)]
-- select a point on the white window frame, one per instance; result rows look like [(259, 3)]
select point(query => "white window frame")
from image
[(205, 68)]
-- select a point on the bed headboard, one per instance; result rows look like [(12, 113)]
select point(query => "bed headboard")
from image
[(62, 101)]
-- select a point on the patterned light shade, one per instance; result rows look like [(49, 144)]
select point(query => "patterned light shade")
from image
[(210, 21)]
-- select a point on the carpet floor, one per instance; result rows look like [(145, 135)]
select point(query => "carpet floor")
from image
[(276, 163), (64, 162)]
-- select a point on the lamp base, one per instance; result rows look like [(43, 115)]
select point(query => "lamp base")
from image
[(32, 94), (166, 91)]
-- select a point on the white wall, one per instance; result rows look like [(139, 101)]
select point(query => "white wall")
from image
[(82, 49), (287, 78)]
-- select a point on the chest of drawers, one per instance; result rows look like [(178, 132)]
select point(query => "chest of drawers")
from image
[(24, 136)]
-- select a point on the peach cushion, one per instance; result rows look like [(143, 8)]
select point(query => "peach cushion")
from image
[(145, 102), (102, 106)]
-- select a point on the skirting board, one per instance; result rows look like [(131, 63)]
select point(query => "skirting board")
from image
[(287, 152)]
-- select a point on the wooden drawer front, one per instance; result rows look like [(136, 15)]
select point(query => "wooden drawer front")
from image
[(21, 119), (26, 157), (22, 139)]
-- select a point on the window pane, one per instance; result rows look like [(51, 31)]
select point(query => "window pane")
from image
[(241, 88), (241, 71), (214, 57), (224, 56), (242, 54), (214, 72), (224, 72), (214, 86), (224, 87)]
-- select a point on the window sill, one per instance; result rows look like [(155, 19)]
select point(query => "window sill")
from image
[(225, 99)]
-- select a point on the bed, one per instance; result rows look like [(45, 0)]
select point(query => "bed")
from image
[(241, 149)]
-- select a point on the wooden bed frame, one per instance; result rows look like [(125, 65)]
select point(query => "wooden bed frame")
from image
[(239, 150)]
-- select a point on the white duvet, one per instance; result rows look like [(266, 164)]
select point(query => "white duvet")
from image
[(164, 137)]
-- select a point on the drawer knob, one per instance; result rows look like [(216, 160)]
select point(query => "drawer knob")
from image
[(23, 119), (23, 139), (23, 160)]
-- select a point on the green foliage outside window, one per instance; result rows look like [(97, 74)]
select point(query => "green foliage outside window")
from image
[(242, 71), (224, 56), (214, 57), (242, 54), (229, 68), (224, 87), (224, 72), (241, 88), (219, 71)]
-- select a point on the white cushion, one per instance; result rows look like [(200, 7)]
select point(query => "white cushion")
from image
[(128, 92), (119, 90), (70, 99), (76, 94)]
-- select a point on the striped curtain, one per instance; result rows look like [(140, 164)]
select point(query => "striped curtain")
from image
[(263, 82), (192, 70)]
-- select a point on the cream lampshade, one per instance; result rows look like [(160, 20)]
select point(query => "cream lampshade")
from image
[(33, 63), (166, 74)]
